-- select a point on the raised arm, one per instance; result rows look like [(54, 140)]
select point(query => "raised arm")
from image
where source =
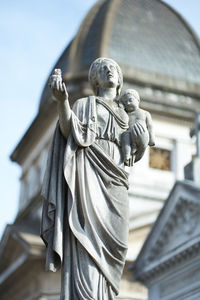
[(61, 96), (149, 124)]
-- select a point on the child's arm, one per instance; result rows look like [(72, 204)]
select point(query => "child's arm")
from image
[(149, 124)]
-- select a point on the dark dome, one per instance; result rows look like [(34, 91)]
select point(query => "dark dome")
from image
[(145, 36)]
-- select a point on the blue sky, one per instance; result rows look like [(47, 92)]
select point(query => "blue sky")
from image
[(32, 35)]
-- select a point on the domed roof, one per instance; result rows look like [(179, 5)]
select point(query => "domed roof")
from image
[(140, 35)]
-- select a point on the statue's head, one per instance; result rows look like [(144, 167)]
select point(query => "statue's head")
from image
[(105, 71)]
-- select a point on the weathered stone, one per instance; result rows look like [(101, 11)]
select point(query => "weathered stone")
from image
[(87, 236), (192, 170), (169, 263)]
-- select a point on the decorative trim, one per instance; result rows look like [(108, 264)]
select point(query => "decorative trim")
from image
[(184, 255), (186, 212), (184, 215)]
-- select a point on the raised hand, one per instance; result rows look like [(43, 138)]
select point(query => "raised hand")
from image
[(58, 86)]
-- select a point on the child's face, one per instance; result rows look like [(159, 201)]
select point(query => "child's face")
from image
[(130, 102)]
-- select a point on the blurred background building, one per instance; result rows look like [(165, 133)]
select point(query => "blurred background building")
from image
[(160, 57)]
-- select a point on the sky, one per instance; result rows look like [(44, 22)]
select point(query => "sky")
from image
[(33, 34)]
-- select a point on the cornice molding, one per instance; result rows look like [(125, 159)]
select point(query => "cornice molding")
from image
[(185, 215), (174, 237), (29, 247), (175, 259)]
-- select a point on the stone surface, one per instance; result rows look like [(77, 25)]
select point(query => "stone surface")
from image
[(196, 132), (168, 263), (140, 133), (192, 170), (82, 232), (22, 254)]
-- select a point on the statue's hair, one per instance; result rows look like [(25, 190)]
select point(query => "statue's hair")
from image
[(130, 91), (92, 75)]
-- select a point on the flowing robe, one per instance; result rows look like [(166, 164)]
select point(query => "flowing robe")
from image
[(85, 213)]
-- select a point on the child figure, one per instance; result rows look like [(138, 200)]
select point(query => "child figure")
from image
[(140, 133)]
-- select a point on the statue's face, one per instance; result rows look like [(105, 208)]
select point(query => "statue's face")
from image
[(130, 102), (107, 75)]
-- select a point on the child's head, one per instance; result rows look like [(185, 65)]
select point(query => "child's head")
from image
[(130, 99)]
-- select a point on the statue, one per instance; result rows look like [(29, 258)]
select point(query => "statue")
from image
[(191, 170), (140, 133), (196, 132), (86, 210)]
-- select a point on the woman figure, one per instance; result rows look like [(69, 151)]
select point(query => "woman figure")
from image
[(85, 213)]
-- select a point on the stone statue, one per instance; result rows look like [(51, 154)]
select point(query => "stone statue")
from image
[(86, 210), (140, 133), (192, 170), (196, 132)]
